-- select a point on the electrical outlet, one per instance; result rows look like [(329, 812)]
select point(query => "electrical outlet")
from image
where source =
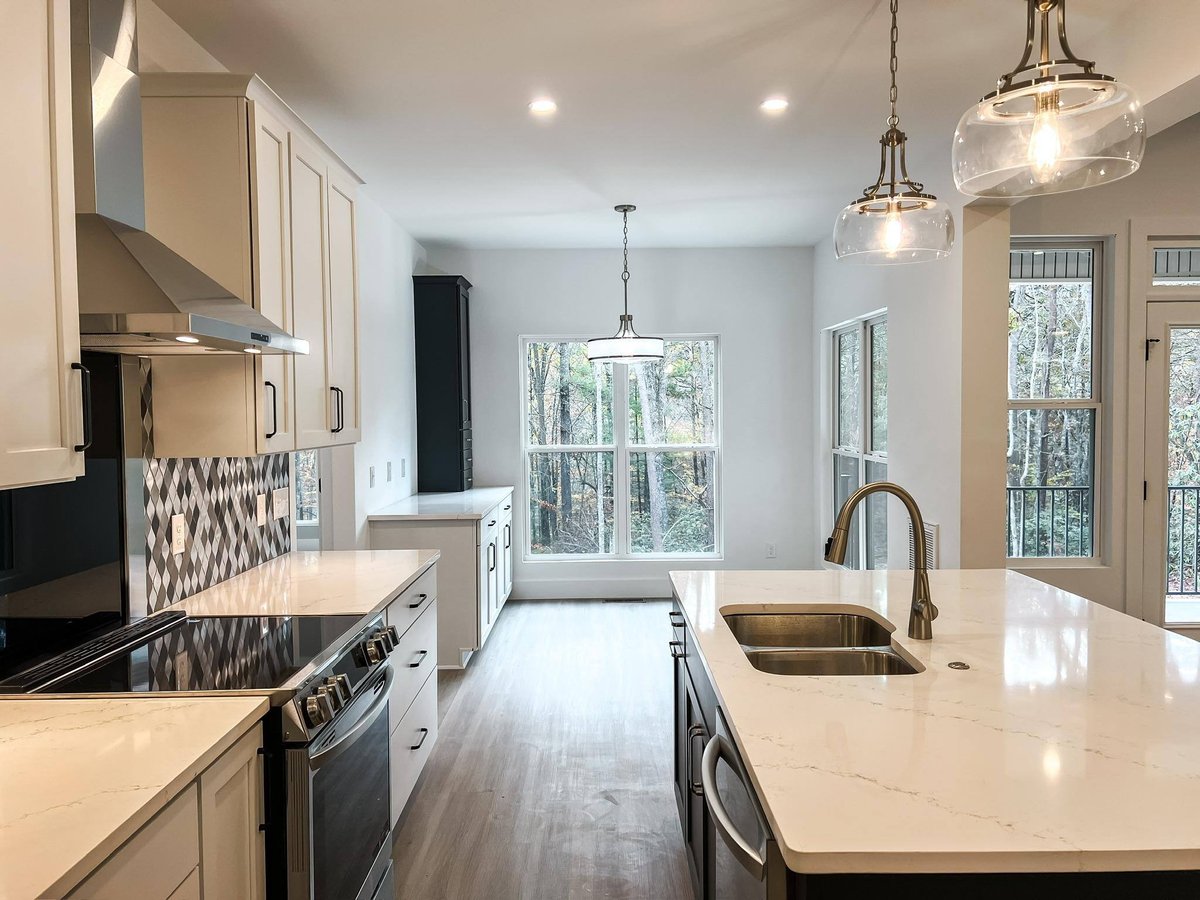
[(281, 499), (771, 550), (178, 533), (389, 471), (260, 510), (371, 476)]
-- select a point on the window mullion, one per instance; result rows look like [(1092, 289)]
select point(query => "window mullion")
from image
[(620, 395)]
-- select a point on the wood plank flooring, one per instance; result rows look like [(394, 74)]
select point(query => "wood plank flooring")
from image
[(551, 778)]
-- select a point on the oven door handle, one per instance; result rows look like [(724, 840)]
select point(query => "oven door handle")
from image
[(365, 721)]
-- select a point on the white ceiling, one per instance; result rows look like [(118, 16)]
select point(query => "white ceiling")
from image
[(658, 105)]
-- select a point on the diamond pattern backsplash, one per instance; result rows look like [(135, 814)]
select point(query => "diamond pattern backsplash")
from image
[(219, 497)]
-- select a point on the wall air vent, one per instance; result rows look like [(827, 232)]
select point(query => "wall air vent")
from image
[(931, 546)]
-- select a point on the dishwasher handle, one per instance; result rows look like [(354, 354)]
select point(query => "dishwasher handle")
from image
[(751, 858)]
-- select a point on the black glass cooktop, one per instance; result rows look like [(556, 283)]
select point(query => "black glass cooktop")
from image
[(223, 653)]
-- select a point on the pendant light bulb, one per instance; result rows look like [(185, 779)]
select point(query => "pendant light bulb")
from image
[(1045, 144), (895, 220), (626, 346), (1053, 125)]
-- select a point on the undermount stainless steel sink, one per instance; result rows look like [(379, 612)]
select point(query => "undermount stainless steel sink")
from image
[(818, 643), (807, 629), (836, 661)]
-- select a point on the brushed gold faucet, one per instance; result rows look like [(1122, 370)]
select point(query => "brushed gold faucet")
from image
[(923, 612)]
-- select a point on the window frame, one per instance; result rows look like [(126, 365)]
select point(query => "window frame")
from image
[(621, 449), (1096, 403), (864, 455)]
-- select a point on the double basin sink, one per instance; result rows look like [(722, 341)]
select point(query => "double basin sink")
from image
[(818, 643)]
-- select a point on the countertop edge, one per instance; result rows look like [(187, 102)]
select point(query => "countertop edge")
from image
[(471, 516), (156, 803), (949, 862)]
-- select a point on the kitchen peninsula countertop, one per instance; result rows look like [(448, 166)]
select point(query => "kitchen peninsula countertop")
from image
[(79, 777), (314, 583), (1071, 744), (473, 504)]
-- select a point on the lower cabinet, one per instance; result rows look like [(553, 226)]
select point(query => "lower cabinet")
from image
[(691, 736), (412, 707), (205, 845)]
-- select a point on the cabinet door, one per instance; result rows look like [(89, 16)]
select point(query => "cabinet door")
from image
[(343, 304), (231, 842), (272, 272), (506, 551), (310, 295), (39, 311), (485, 599)]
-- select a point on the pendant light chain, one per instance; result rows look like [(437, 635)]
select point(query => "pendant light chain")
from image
[(625, 271), (894, 119)]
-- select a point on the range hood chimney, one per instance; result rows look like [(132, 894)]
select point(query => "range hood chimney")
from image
[(136, 295)]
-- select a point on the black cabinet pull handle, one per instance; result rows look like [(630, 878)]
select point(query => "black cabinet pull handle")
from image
[(424, 734), (340, 410), (507, 536), (421, 598), (696, 731), (420, 659), (507, 507), (491, 523), (492, 557), (676, 649), (85, 384), (274, 409)]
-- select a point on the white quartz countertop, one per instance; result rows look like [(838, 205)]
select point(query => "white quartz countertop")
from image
[(473, 504), (314, 583), (79, 777), (1071, 744)]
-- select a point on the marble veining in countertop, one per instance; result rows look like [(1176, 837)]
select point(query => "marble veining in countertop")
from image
[(314, 583), (473, 504), (1071, 744), (79, 777)]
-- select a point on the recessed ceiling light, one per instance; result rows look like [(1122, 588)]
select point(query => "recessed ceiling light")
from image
[(774, 105), (543, 106), (187, 339)]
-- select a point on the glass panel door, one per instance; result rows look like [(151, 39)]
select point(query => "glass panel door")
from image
[(1172, 523)]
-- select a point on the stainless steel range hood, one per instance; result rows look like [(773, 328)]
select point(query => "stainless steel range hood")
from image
[(136, 295)]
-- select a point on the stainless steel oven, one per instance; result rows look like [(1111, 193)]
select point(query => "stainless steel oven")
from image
[(747, 864)]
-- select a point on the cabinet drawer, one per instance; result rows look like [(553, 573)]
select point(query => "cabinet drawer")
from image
[(413, 659), (489, 527), (405, 609), (155, 861), (412, 742)]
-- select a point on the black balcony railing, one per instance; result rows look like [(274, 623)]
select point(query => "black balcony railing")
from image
[(1049, 521), (1183, 539)]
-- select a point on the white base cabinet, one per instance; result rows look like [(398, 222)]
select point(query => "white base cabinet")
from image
[(412, 707), (475, 570), (205, 845)]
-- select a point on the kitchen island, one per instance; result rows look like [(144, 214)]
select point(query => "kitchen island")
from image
[(1071, 744)]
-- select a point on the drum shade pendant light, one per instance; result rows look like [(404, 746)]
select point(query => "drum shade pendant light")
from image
[(1050, 126), (894, 221), (626, 345)]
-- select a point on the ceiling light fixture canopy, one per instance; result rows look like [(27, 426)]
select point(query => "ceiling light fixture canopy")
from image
[(626, 345), (895, 220), (1050, 126)]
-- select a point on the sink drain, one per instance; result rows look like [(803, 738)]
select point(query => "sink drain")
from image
[(958, 664)]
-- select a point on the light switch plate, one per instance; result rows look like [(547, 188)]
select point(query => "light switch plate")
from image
[(260, 514), (178, 533), (280, 501), (389, 470), (371, 476)]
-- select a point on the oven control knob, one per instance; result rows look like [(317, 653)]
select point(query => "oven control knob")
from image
[(339, 685), (389, 639), (376, 650), (393, 634), (332, 696), (316, 710)]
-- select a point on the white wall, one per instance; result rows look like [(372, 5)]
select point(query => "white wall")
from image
[(387, 258), (760, 303), (165, 47), (924, 381)]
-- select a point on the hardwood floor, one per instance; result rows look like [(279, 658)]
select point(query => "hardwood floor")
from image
[(551, 778)]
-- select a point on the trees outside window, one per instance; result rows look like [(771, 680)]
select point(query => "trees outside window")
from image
[(306, 479), (621, 460), (1054, 403), (860, 434)]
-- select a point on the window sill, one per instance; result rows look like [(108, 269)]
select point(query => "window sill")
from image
[(662, 557), (1057, 562)]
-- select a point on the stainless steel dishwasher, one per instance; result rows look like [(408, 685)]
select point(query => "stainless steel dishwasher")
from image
[(747, 864)]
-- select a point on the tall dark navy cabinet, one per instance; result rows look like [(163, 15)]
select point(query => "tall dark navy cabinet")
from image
[(443, 337)]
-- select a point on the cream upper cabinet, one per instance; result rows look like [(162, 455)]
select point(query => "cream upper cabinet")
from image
[(343, 294), (41, 427), (316, 407), (270, 194), (240, 186)]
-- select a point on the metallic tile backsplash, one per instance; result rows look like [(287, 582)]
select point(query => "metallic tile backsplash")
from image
[(218, 496)]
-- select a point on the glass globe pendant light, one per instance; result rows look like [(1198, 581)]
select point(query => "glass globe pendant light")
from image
[(894, 221), (1050, 126), (626, 345)]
